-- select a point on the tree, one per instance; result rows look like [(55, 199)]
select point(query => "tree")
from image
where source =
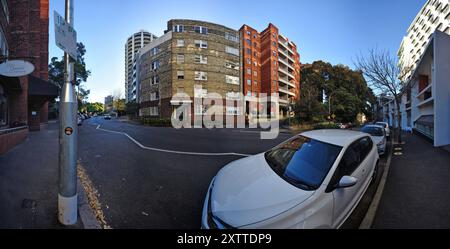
[(119, 103), (385, 75), (56, 73), (94, 107), (346, 91)]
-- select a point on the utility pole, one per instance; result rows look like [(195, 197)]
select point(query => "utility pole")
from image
[(68, 136)]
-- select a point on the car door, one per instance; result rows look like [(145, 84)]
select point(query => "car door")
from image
[(346, 198)]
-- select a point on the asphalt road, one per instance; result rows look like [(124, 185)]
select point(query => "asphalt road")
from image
[(142, 188)]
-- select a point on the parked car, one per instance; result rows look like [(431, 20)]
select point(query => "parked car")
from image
[(386, 128), (313, 180), (378, 135), (107, 117)]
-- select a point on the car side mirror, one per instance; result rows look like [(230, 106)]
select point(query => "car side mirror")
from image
[(347, 182)]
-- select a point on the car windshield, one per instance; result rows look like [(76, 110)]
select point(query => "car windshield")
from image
[(382, 124), (374, 131), (302, 161)]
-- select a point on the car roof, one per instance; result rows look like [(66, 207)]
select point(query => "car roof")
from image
[(375, 126), (335, 136)]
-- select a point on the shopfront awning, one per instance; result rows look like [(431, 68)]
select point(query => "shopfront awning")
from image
[(40, 87), (11, 83)]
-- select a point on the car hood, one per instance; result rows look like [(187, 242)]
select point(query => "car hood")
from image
[(249, 191)]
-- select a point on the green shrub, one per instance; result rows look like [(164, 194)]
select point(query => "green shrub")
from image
[(157, 122), (326, 125)]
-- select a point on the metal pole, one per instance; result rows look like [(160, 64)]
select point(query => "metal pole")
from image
[(68, 133)]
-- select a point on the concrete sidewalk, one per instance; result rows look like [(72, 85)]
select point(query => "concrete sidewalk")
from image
[(29, 183), (417, 192)]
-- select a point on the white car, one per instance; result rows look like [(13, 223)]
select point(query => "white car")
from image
[(378, 135), (313, 180), (386, 128)]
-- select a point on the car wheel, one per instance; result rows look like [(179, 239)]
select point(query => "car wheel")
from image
[(375, 174)]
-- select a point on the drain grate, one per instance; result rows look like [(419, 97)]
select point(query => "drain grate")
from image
[(28, 203)]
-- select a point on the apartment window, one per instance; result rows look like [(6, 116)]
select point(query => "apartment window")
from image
[(249, 51), (255, 82), (180, 58), (178, 28), (275, 63), (232, 110), (155, 65), (154, 111), (274, 44), (249, 71), (249, 33), (232, 65), (180, 43), (275, 83), (249, 82), (255, 73), (201, 44), (232, 80), (201, 75), (155, 80), (180, 75), (255, 44), (274, 53), (154, 51), (201, 59), (255, 63), (201, 30), (233, 95), (231, 37), (249, 42), (154, 96), (231, 50), (249, 61)]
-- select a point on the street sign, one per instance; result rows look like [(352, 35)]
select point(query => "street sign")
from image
[(65, 36), (16, 68)]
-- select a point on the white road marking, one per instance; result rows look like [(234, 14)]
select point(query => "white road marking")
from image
[(172, 151)]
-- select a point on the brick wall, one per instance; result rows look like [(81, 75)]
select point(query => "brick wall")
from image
[(10, 140)]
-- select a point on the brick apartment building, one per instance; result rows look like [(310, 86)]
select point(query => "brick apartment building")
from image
[(271, 64), (24, 100), (192, 57)]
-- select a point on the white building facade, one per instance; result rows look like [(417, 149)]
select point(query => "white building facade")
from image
[(132, 46), (434, 15)]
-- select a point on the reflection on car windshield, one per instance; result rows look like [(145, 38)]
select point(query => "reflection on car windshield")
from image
[(302, 161), (374, 131), (382, 124)]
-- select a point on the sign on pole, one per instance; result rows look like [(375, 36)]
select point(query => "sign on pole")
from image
[(65, 36)]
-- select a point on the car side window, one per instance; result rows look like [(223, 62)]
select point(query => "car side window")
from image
[(366, 146), (349, 162)]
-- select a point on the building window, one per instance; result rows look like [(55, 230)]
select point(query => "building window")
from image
[(249, 61), (155, 65), (233, 95), (180, 43), (154, 96), (232, 80), (154, 111), (155, 80), (201, 75), (3, 107), (249, 51), (255, 83), (231, 37), (249, 33), (232, 110), (201, 44), (201, 30), (180, 58), (180, 75), (201, 59), (255, 54), (232, 65), (249, 71), (274, 44), (249, 82), (154, 51), (231, 50), (255, 45), (249, 42), (255, 63), (274, 53), (178, 28), (255, 73)]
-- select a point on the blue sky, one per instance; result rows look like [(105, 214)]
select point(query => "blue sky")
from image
[(331, 30)]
